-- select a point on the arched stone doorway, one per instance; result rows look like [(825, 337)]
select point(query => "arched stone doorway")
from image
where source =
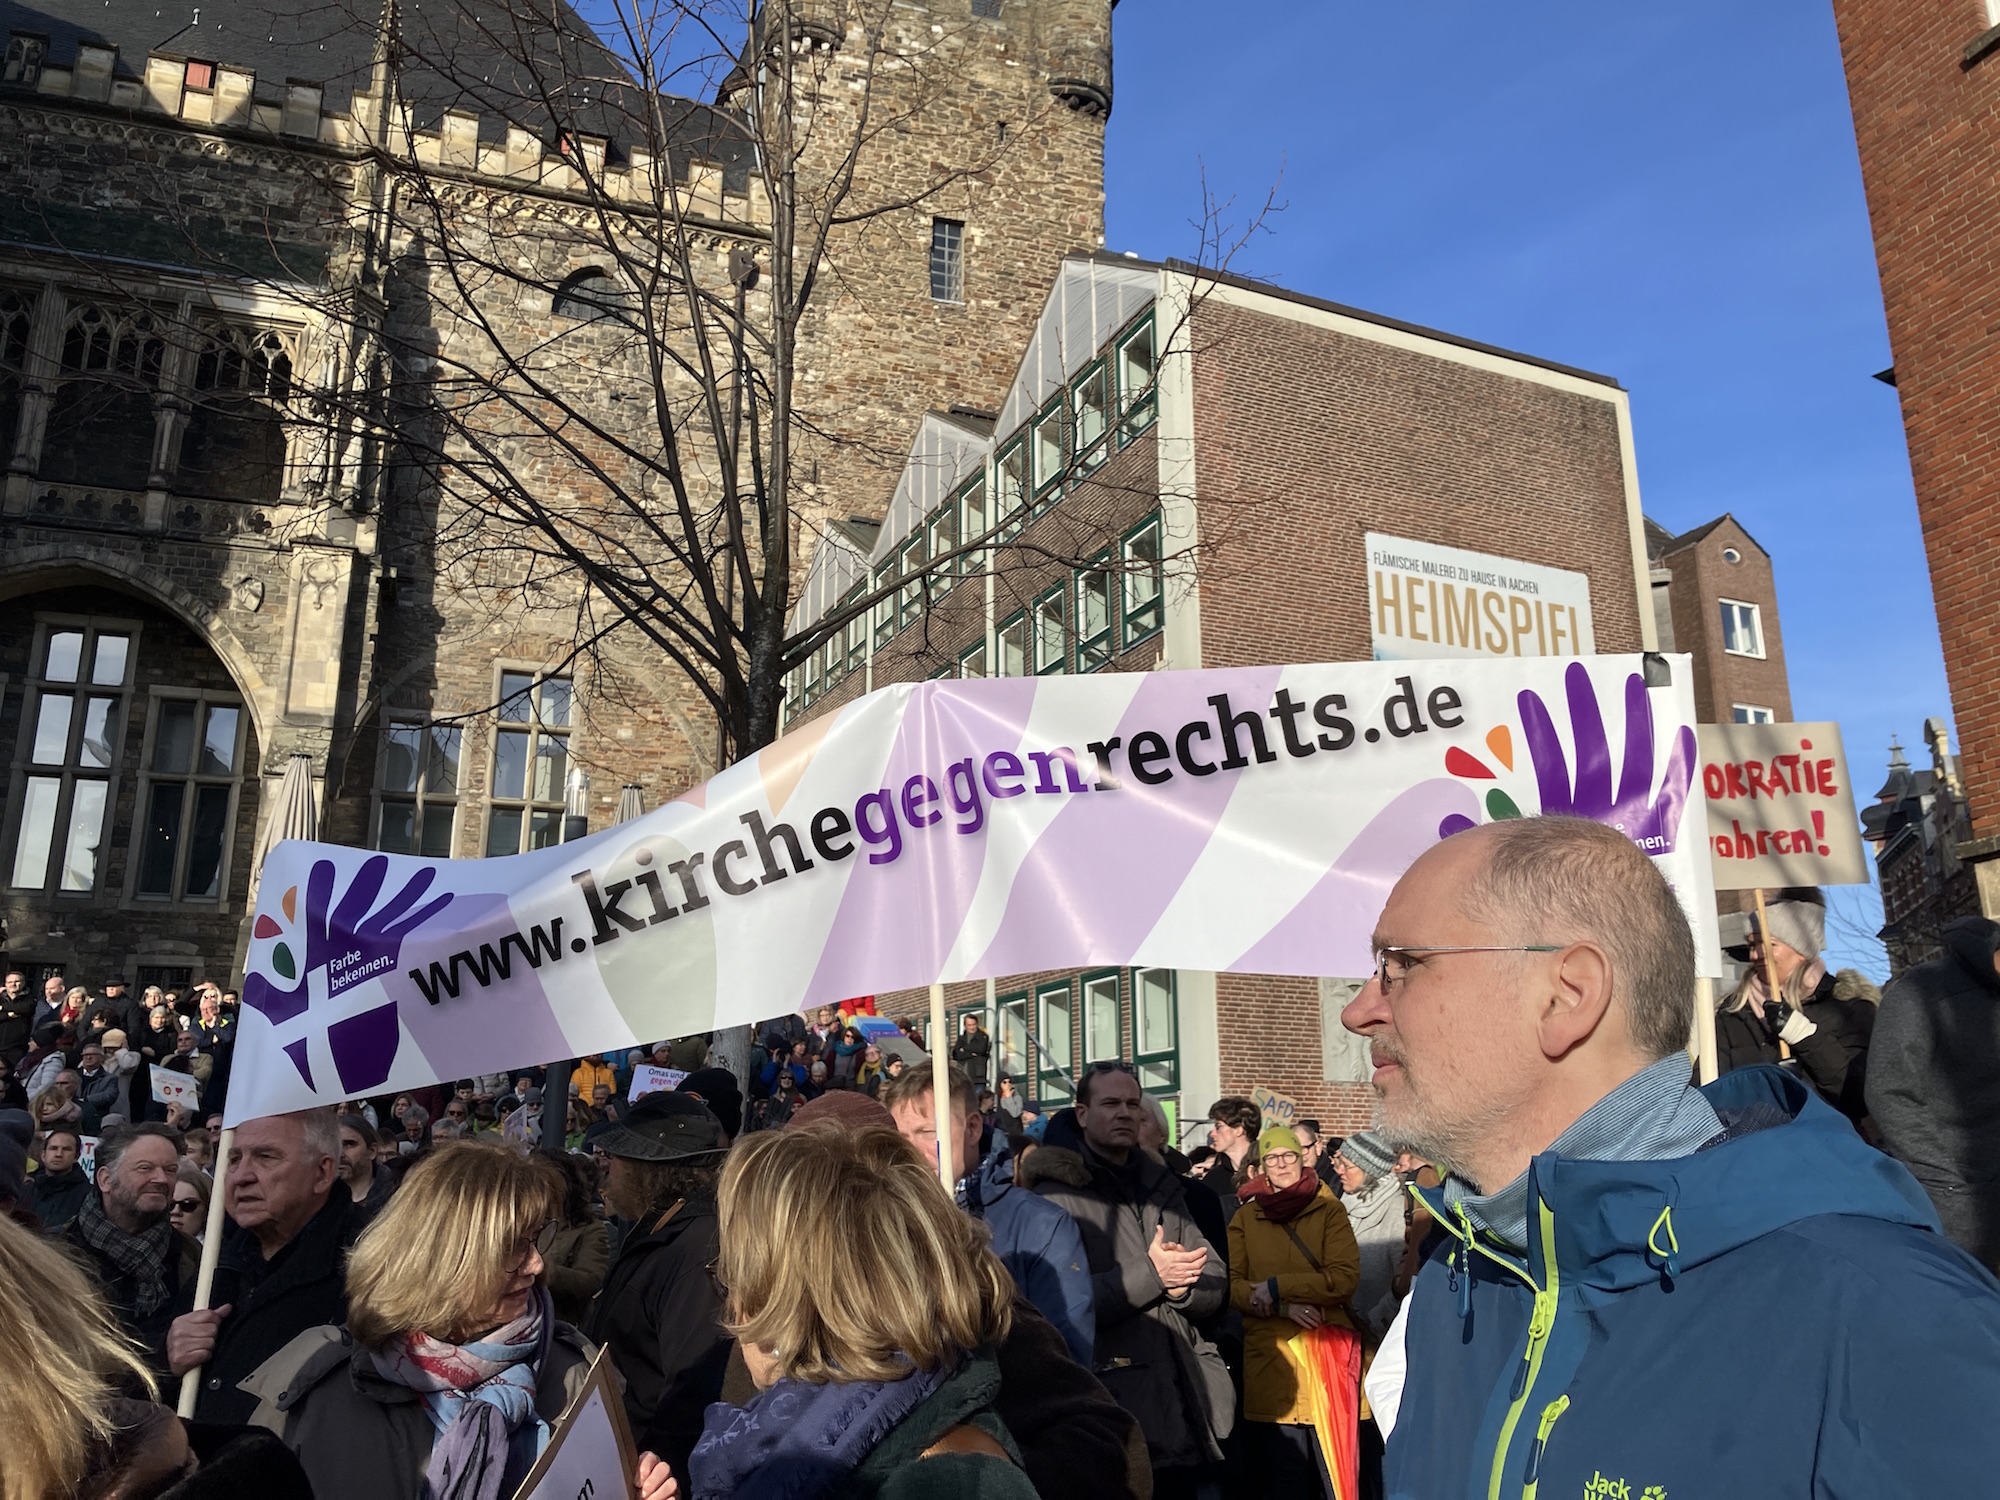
[(131, 802)]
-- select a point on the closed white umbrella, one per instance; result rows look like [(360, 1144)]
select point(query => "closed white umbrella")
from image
[(630, 804), (294, 815)]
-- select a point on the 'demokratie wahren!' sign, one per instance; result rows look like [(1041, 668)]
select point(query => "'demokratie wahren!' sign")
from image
[(1780, 810), (1250, 820)]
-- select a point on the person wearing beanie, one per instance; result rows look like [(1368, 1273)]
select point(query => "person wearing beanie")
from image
[(1293, 1264), (1820, 1022), (1365, 1166)]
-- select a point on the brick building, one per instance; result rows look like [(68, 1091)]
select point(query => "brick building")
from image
[(1714, 597), (201, 249), (1924, 85), (1231, 463)]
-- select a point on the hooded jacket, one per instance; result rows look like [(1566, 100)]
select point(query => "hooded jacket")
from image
[(1773, 1315), (1041, 1248), (1934, 1082)]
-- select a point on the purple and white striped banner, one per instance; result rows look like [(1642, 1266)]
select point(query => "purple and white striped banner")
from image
[(1252, 820)]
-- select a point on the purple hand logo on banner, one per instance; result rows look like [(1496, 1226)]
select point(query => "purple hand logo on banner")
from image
[(354, 945), (1651, 820)]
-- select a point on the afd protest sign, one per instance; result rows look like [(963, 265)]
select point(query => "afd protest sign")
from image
[(1276, 1108), (647, 1079), (170, 1087), (1780, 810), (1250, 820)]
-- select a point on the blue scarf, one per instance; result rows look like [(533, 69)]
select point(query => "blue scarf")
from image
[(796, 1440)]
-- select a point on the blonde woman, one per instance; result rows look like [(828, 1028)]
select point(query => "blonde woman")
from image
[(452, 1367), (877, 1380)]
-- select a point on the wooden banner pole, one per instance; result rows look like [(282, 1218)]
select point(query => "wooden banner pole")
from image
[(211, 1253), (941, 1088)]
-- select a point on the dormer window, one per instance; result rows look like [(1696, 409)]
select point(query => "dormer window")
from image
[(201, 75), (26, 53)]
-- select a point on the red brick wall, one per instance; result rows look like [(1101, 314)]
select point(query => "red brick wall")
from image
[(1927, 132)]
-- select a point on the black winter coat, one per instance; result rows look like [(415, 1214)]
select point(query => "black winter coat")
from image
[(1934, 1082), (121, 1291), (359, 1435), (973, 1052), (661, 1317), (58, 1196), (303, 1287), (1834, 1059)]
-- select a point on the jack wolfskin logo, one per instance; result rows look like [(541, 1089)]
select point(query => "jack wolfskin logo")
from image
[(1601, 1488)]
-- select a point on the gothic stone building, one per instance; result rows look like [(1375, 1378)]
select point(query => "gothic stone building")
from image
[(197, 582)]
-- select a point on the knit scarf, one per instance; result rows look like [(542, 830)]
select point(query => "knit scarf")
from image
[(144, 1256), (478, 1397), (800, 1441), (1280, 1205)]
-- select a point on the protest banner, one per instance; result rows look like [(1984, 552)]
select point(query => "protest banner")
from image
[(589, 1454), (1277, 1108), (1780, 810), (1250, 820), (170, 1087), (647, 1079)]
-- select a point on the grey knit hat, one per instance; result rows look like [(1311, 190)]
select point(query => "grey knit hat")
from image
[(1370, 1152), (1797, 916)]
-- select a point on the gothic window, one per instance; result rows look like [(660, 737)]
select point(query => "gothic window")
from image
[(530, 764), (947, 260), (191, 772), (235, 443), (26, 52), (72, 732), (17, 312), (101, 425), (417, 788), (590, 294)]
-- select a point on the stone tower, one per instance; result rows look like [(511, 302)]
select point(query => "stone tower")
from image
[(983, 166)]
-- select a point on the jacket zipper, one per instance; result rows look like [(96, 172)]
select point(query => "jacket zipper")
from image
[(1539, 1324), (1549, 1414)]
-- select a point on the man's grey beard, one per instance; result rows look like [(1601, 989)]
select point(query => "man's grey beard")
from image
[(1417, 1125)]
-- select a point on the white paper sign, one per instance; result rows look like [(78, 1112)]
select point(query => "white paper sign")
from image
[(1428, 601), (589, 1456), (647, 1079), (86, 1156), (170, 1087)]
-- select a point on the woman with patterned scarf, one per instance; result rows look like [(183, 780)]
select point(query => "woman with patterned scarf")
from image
[(452, 1368)]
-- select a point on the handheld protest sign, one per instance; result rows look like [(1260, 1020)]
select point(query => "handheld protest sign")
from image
[(590, 1452), (1276, 1108), (1780, 809), (170, 1087), (647, 1079)]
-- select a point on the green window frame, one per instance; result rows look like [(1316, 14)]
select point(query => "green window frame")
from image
[(910, 568), (1051, 635), (794, 691), (857, 637), (941, 540), (1155, 1030), (1091, 404), (809, 689), (1010, 488), (972, 660), (1144, 579), (885, 607), (1103, 1024), (1010, 646), (1138, 367), (972, 523), (1095, 609), (1048, 438), (1055, 1026), (1013, 1053)]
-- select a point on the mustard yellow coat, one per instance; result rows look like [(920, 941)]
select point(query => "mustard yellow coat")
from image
[(1259, 1250)]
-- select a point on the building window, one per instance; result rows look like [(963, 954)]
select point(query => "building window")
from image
[(1093, 617), (1751, 713), (809, 687), (1046, 440), (1144, 611), (17, 320), (1090, 405), (1010, 646), (1731, 555), (972, 661), (1742, 629), (1054, 1008), (947, 260), (1011, 1040), (1101, 1031), (590, 294), (795, 682), (188, 793), (1137, 371), (885, 607), (910, 566), (1051, 640), (531, 763), (26, 53), (943, 530), (972, 507), (857, 632), (1155, 1049), (200, 75), (101, 424), (234, 447), (72, 731), (419, 782), (1010, 485)]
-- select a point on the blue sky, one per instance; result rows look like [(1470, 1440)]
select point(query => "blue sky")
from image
[(1669, 195)]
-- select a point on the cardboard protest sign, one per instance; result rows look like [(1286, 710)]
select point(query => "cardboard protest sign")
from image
[(86, 1157), (1780, 809), (647, 1079), (1249, 820), (589, 1455), (170, 1087), (1279, 1109)]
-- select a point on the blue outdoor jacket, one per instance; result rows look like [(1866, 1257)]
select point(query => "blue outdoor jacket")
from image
[(1774, 1316), (1040, 1246)]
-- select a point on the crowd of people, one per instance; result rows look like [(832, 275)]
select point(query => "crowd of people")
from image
[(1510, 1280)]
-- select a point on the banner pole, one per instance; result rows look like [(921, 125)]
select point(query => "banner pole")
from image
[(1770, 965), (941, 1089), (1704, 1028), (211, 1253)]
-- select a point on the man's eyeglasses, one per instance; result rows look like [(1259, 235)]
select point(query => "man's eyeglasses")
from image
[(1393, 965)]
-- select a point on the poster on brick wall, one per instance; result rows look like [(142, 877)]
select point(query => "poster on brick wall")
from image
[(1427, 601), (1780, 810), (1250, 820)]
